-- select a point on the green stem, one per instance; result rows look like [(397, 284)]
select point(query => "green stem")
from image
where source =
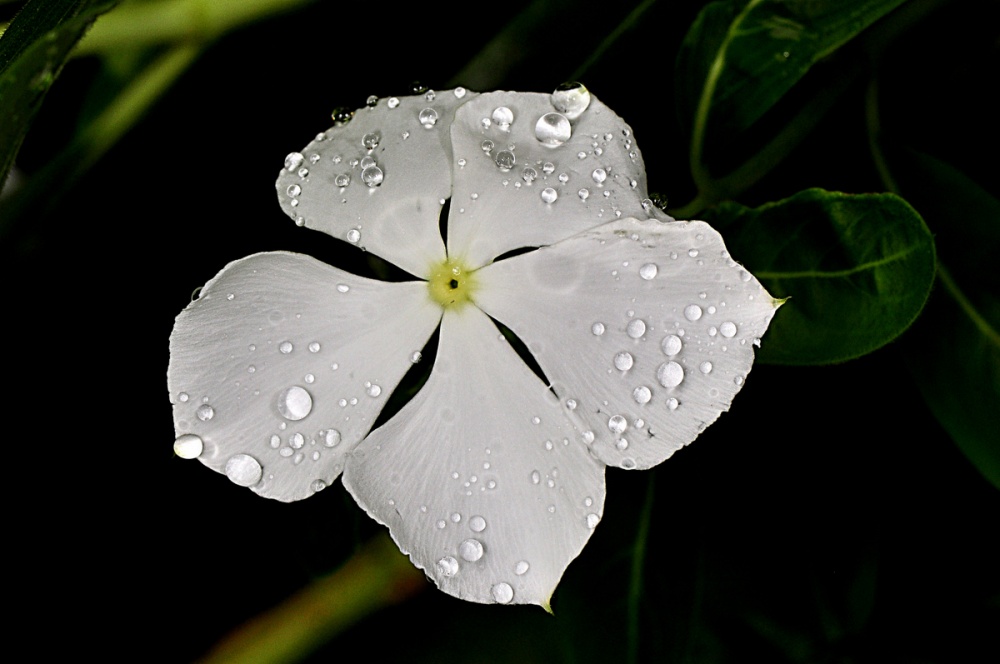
[(638, 566), (977, 319)]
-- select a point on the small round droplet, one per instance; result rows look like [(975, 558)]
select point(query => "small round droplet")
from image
[(342, 180), (597, 329), (371, 140), (642, 394), (366, 161), (670, 374), (314, 347), (623, 361), (296, 441), (293, 190), (648, 271), (502, 593), (293, 160), (503, 116), (428, 117), (285, 347), (553, 129), (317, 485), (331, 438), (521, 568), (705, 367), (529, 174), (477, 524), (460, 92), (471, 550), (692, 312), (244, 470), (593, 520), (599, 175), (549, 195), (392, 102), (672, 403), (353, 236), (372, 176), (636, 328), (584, 194), (617, 424), (295, 403), (548, 167), (671, 344), (447, 566), (487, 146), (188, 446), (728, 329), (205, 412), (571, 99), (536, 477), (505, 160), (373, 390)]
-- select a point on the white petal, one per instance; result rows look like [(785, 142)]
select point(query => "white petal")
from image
[(496, 210), (399, 218), (283, 363), (481, 479), (645, 329)]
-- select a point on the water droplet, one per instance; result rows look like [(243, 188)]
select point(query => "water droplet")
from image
[(549, 195), (416, 356), (244, 470), (342, 180), (366, 162), (392, 102), (502, 593), (536, 477), (571, 404), (521, 568), (275, 441), (529, 174), (371, 140), (505, 160), (553, 129), (642, 394), (342, 115), (428, 117), (648, 271), (373, 390), (441, 524), (456, 517), (670, 374), (188, 446), (597, 329), (487, 146), (183, 397), (317, 485), (303, 173), (447, 566), (471, 550), (728, 329), (564, 177), (571, 99), (205, 412), (636, 328), (692, 312), (693, 253), (460, 92), (295, 403), (599, 175), (593, 520), (503, 116), (296, 441), (314, 347), (617, 424), (671, 344), (705, 367), (293, 160), (672, 403), (293, 190), (285, 347), (331, 437), (477, 524), (623, 361), (584, 194), (353, 236), (372, 176)]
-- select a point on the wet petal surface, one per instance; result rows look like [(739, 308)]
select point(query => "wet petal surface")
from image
[(481, 478), (646, 330), (282, 364)]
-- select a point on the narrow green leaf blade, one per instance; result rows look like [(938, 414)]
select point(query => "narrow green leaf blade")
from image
[(858, 269)]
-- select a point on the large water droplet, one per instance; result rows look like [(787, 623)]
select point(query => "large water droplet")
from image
[(447, 566), (692, 312), (728, 329), (188, 446), (553, 129), (294, 403), (293, 160), (205, 412), (471, 550), (671, 344), (477, 524), (371, 140), (372, 176), (244, 470), (549, 195), (623, 361), (428, 117), (571, 99), (642, 394), (502, 593), (617, 424), (503, 116), (636, 328), (648, 271), (599, 175), (505, 160), (597, 329), (670, 374)]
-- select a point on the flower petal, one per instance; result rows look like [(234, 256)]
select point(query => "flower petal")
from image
[(481, 479), (392, 209), (596, 175), (645, 329), (282, 364)]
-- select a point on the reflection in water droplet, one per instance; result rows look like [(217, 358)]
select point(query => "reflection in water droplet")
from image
[(447, 566), (553, 129), (188, 446), (371, 140), (671, 344), (205, 412), (428, 117), (692, 312), (477, 524), (529, 174), (503, 116), (295, 403), (293, 190), (670, 374), (648, 271), (571, 99), (623, 361), (244, 470), (342, 180), (372, 176), (505, 160), (487, 146), (599, 175), (502, 593), (636, 328), (471, 550), (642, 394), (293, 160), (549, 195)]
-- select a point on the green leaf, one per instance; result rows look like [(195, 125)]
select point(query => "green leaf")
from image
[(954, 350), (741, 57), (33, 51), (858, 269)]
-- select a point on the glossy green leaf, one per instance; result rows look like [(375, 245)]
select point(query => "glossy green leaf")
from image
[(32, 53), (857, 270), (741, 57), (954, 350)]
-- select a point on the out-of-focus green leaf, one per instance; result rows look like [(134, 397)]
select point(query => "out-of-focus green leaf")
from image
[(858, 269), (954, 350), (32, 53), (741, 57)]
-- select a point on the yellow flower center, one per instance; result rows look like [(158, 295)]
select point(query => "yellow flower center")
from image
[(451, 284)]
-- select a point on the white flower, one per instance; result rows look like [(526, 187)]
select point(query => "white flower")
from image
[(491, 480)]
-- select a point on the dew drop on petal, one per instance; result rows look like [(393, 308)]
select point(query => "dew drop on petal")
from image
[(522, 567), (642, 394), (728, 329), (295, 403), (593, 520), (428, 117), (548, 167), (477, 524), (597, 329), (636, 328), (692, 312), (623, 361), (536, 477), (672, 403), (342, 180), (331, 438), (617, 424), (188, 446), (373, 390), (314, 347), (502, 593), (293, 160), (670, 374), (371, 140), (705, 367), (648, 271), (549, 195), (503, 116), (553, 129), (372, 176), (471, 550), (571, 99), (584, 194), (529, 174), (293, 190), (599, 175), (460, 92), (505, 160), (353, 236), (205, 412), (285, 347), (671, 344), (447, 566), (317, 485), (244, 470)]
